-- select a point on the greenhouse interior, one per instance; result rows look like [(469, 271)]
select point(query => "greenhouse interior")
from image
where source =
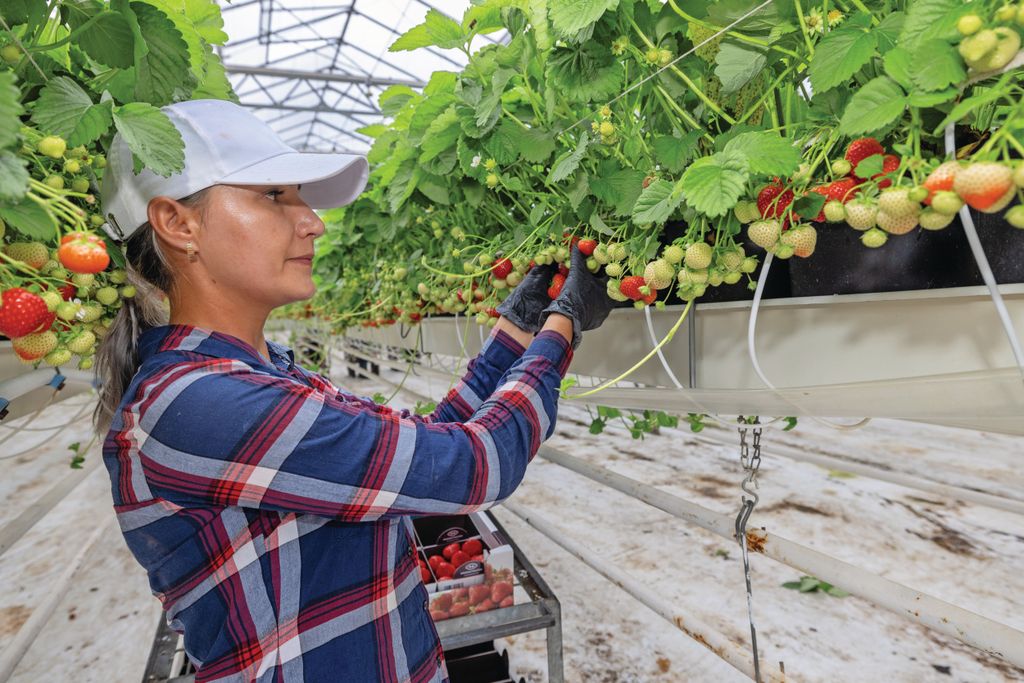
[(268, 267)]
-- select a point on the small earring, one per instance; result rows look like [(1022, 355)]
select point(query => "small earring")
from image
[(190, 249)]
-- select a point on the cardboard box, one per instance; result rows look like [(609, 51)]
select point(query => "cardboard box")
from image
[(476, 584)]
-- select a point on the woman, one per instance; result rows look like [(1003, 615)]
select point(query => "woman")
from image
[(265, 503)]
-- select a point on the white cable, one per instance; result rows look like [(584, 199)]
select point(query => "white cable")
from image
[(752, 351), (986, 271), (60, 429)]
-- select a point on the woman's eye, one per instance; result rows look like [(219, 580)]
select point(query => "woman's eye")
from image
[(274, 194)]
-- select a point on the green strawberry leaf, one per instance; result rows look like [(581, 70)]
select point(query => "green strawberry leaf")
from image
[(503, 143), (673, 152), (877, 104), (163, 73), (30, 220), (437, 30), (535, 145), (809, 205), (154, 141), (736, 64), (597, 426), (713, 184), (767, 153), (928, 19), (569, 161), (839, 56), (616, 186), (657, 202), (442, 134), (898, 65), (108, 40), (10, 109), (65, 109), (13, 176), (937, 65), (569, 17), (394, 98), (870, 166), (585, 73)]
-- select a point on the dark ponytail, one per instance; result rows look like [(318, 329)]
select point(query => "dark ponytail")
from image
[(117, 358)]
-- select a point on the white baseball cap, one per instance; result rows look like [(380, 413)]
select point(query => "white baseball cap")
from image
[(225, 144)]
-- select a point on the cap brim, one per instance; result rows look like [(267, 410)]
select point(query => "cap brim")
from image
[(328, 180)]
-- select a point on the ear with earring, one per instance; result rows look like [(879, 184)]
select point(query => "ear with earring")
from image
[(190, 250)]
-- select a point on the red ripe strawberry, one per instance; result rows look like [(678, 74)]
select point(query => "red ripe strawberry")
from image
[(843, 190), (563, 270), (501, 268), (649, 299), (442, 602), (425, 574), (587, 246), (492, 312), (507, 602), (861, 149), (986, 186), (823, 190), (445, 570), (484, 606), (500, 591), (460, 558), (478, 594), (557, 282), (890, 162), (435, 561), (630, 286), (473, 546), (48, 323), (773, 200), (21, 312), (438, 615), (450, 550), (459, 609)]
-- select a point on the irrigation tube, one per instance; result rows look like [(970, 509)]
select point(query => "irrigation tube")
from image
[(30, 630), (698, 630), (970, 628)]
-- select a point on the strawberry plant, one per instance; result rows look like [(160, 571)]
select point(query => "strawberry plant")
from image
[(756, 126), (72, 74)]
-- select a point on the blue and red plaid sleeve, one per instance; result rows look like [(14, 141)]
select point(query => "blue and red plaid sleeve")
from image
[(482, 375), (220, 432)]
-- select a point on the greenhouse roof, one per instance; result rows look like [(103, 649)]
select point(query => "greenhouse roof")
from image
[(313, 69)]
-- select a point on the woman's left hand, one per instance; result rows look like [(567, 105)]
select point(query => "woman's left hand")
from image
[(525, 302)]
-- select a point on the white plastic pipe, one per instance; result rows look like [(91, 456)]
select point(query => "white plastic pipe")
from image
[(705, 634), (972, 629)]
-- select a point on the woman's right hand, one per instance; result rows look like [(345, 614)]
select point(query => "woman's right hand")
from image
[(584, 299)]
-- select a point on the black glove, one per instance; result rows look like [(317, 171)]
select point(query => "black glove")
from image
[(584, 298), (523, 306)]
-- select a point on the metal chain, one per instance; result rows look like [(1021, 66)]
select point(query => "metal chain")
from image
[(751, 462)]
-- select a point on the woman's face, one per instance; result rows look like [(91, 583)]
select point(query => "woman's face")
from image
[(257, 241)]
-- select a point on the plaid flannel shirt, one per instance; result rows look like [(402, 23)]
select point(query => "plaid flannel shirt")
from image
[(267, 505)]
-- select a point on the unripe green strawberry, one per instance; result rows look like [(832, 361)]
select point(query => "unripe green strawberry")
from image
[(617, 251), (513, 278), (688, 276), (674, 254), (946, 202), (732, 278), (1020, 16), (127, 291), (896, 225), (86, 363), (492, 180), (52, 146), (49, 267), (90, 312), (918, 194), (1007, 46), (10, 54), (698, 255), (715, 277), (749, 265), (72, 166), (764, 233), (835, 211), (732, 258), (34, 254), (639, 305), (601, 254), (802, 238), (895, 202), (613, 290), (659, 273), (422, 288), (34, 346), (841, 167), (1015, 216), (874, 238), (83, 279), (52, 299), (481, 318), (974, 47), (782, 250), (1006, 12), (592, 264), (83, 343), (67, 310), (108, 295), (969, 24), (57, 357), (1018, 173), (930, 219), (860, 215), (54, 181), (614, 270), (746, 212)]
